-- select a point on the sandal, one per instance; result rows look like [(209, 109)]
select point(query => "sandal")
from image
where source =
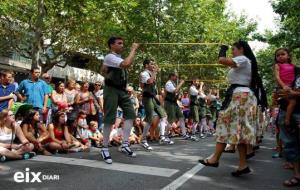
[(292, 182), (288, 166), (206, 163)]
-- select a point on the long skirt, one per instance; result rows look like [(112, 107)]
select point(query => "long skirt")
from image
[(238, 123)]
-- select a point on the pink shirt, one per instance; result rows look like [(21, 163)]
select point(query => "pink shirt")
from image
[(287, 73)]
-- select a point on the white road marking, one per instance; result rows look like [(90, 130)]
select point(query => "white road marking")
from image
[(182, 179), (130, 168)]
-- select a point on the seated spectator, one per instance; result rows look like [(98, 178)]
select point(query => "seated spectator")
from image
[(9, 130), (133, 138), (94, 135), (6, 91), (116, 136), (36, 133), (175, 130), (82, 129), (61, 140), (138, 126)]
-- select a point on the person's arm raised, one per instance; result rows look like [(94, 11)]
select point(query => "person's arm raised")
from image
[(179, 86), (129, 60), (222, 57)]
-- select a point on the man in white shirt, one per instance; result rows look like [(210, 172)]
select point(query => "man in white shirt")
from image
[(173, 110), (115, 94), (152, 104), (194, 107), (202, 98)]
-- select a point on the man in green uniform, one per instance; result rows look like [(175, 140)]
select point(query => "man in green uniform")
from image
[(115, 94), (194, 107), (151, 103), (173, 110)]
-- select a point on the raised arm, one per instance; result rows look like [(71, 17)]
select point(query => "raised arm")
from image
[(129, 60)]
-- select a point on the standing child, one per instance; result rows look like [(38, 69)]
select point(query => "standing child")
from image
[(285, 76)]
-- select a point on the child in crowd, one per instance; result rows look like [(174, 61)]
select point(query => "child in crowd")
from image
[(94, 135), (116, 135), (285, 76), (82, 128)]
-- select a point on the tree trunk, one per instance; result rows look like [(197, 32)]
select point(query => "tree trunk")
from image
[(37, 47)]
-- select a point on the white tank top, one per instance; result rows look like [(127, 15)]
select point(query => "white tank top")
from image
[(6, 138)]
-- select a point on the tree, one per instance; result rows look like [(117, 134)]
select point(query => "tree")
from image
[(47, 31), (287, 36)]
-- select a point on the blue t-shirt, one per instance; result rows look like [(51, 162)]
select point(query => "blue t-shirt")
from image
[(5, 91), (35, 92)]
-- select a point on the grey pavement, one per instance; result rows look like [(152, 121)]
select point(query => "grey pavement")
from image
[(158, 169)]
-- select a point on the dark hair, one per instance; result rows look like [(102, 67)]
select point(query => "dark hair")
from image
[(29, 117), (147, 61), (81, 112), (287, 51), (256, 82), (33, 69), (172, 74), (56, 117), (58, 83), (112, 40)]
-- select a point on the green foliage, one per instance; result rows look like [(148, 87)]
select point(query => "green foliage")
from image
[(85, 25), (287, 36)]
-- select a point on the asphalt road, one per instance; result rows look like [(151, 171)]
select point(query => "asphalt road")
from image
[(167, 167)]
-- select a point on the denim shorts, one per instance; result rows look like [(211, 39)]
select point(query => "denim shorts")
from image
[(291, 140)]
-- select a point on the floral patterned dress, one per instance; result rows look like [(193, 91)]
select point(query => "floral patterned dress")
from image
[(238, 123)]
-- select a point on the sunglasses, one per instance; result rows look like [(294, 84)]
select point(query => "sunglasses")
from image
[(97, 84), (47, 78)]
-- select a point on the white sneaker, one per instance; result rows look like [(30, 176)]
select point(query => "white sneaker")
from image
[(186, 137), (164, 140), (202, 136), (194, 138), (126, 150), (169, 141), (145, 145), (106, 156)]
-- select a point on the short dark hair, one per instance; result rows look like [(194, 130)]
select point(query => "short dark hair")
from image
[(172, 74), (33, 69), (112, 40), (147, 61)]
